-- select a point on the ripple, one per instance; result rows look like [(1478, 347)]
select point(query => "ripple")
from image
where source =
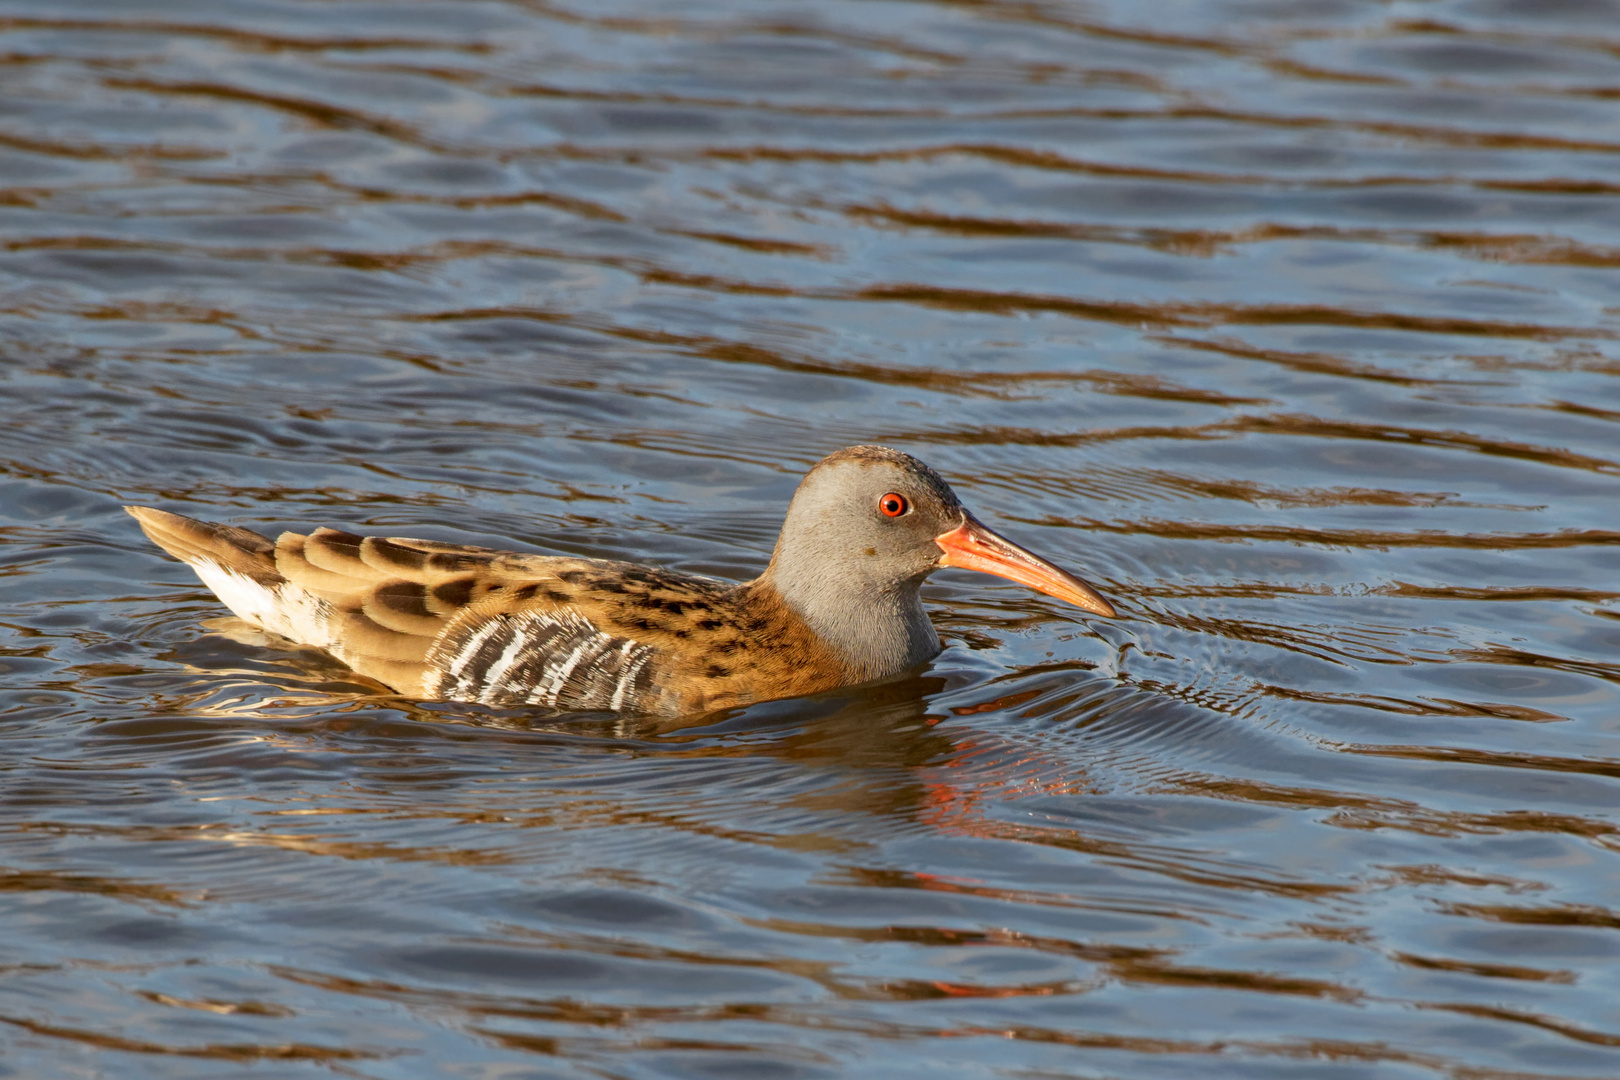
[(1289, 325)]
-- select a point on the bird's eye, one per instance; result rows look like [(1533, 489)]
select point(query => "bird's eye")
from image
[(893, 504)]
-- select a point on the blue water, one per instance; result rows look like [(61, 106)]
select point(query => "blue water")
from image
[(1291, 326)]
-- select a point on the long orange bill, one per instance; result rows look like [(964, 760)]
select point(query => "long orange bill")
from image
[(971, 546)]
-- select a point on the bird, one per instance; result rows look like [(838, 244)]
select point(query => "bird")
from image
[(838, 604)]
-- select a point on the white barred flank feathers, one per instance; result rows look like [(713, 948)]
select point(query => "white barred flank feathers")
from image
[(632, 666), (556, 658), (285, 609), (469, 650)]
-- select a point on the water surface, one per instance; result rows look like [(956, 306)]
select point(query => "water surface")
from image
[(1291, 325)]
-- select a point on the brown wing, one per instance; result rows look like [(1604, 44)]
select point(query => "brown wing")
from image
[(456, 622), (383, 603), (378, 604)]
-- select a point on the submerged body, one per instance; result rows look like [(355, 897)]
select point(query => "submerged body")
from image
[(838, 604)]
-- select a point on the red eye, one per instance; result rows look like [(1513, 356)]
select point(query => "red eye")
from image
[(893, 504)]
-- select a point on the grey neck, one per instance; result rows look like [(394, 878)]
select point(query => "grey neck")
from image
[(879, 629)]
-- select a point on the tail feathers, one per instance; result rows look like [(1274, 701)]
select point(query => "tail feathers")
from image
[(326, 600), (240, 551)]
